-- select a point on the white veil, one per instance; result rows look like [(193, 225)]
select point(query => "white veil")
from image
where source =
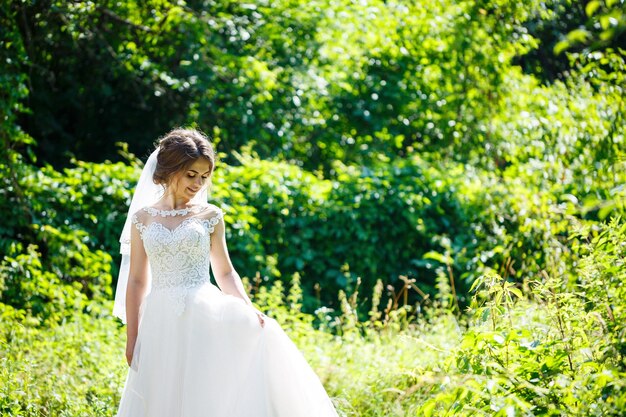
[(147, 193)]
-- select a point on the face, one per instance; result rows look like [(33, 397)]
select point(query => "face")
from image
[(188, 183)]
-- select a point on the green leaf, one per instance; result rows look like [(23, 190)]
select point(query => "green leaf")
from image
[(561, 46), (592, 6), (516, 291), (437, 257), (578, 35), (606, 210)]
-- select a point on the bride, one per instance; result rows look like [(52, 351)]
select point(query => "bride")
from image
[(196, 350)]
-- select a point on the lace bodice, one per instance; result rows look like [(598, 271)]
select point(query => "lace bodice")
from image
[(178, 251)]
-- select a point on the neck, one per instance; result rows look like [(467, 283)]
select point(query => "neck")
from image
[(172, 202)]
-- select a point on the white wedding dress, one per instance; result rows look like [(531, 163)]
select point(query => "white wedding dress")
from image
[(203, 353)]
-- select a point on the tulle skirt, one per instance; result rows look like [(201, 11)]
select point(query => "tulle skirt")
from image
[(215, 360)]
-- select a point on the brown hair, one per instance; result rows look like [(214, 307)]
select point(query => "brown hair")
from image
[(179, 149)]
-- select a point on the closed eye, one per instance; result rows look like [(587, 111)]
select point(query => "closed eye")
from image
[(193, 176)]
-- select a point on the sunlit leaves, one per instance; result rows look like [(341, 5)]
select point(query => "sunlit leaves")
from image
[(607, 21)]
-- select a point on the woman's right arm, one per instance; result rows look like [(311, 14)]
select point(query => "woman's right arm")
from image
[(136, 290)]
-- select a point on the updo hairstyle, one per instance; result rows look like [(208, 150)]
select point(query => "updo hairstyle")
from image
[(179, 149)]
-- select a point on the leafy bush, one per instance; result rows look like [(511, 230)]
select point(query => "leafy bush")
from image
[(39, 293), (560, 354), (414, 217), (58, 241)]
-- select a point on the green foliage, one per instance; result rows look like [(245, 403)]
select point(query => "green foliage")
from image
[(601, 275), (508, 161), (13, 83), (606, 22), (56, 256), (290, 78), (90, 197), (560, 354), (39, 293), (385, 221), (72, 369), (411, 217)]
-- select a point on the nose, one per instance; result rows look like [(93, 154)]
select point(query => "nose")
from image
[(199, 181)]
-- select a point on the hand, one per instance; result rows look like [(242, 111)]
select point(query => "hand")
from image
[(130, 348), (261, 317)]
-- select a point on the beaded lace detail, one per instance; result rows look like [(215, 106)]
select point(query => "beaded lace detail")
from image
[(174, 212), (179, 257)]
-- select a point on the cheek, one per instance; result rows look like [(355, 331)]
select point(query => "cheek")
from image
[(190, 183)]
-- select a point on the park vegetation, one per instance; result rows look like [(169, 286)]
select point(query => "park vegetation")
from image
[(427, 195)]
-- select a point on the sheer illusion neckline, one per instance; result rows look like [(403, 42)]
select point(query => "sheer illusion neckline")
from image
[(171, 225)]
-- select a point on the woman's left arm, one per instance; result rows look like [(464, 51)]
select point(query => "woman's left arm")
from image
[(225, 274)]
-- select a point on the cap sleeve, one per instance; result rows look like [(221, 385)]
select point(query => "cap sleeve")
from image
[(138, 224), (215, 218)]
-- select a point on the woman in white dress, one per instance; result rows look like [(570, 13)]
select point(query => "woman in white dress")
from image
[(196, 350)]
